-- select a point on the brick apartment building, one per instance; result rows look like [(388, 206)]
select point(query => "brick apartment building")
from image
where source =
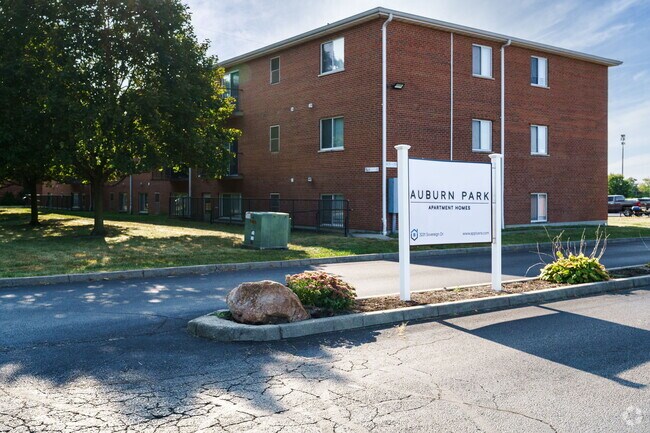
[(313, 125)]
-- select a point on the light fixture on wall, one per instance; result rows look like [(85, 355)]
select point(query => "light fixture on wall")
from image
[(398, 86), (309, 179)]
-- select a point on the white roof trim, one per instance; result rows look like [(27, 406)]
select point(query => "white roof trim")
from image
[(415, 19)]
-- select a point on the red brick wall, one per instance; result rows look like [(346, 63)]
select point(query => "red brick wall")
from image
[(574, 107)]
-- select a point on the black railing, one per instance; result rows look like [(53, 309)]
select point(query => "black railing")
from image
[(321, 215), (235, 93), (74, 201), (170, 174)]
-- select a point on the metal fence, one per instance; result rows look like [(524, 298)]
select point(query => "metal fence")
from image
[(321, 215), (74, 201)]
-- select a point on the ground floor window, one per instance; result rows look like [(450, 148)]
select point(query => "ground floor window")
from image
[(207, 205), (332, 210), (538, 207), (76, 200), (230, 205), (274, 202), (144, 202), (180, 205), (123, 206)]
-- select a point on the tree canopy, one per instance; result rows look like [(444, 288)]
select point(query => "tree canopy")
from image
[(619, 185), (108, 88)]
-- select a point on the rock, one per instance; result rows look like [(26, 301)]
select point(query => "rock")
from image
[(265, 302)]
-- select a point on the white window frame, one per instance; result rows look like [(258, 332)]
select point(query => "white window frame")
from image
[(271, 70), (539, 128), (332, 148), (334, 71), (229, 81), (482, 74), (538, 196), (545, 85), (482, 128), (271, 139), (231, 197), (337, 216)]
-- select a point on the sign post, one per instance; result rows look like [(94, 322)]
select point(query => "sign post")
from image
[(496, 160), (448, 202), (403, 209)]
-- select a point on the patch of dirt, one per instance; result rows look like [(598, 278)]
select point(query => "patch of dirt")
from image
[(449, 295)]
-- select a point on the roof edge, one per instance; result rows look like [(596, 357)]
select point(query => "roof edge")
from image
[(415, 19)]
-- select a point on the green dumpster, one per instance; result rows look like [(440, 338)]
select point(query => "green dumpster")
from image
[(267, 230)]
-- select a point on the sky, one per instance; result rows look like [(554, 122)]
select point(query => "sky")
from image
[(618, 29)]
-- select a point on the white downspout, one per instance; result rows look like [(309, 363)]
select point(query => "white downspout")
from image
[(451, 100), (384, 89), (503, 129)]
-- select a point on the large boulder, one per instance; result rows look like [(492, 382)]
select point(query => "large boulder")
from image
[(265, 302)]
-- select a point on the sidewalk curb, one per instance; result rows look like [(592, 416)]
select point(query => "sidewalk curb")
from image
[(214, 328), (247, 266)]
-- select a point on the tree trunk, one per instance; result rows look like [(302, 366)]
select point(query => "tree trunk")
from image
[(97, 191), (31, 187)]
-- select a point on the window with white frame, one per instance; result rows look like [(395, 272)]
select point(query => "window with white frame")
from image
[(538, 208), (538, 71), (332, 56), (274, 138), (332, 210), (143, 202), (481, 135), (482, 61), (331, 133), (538, 140), (230, 205), (275, 70)]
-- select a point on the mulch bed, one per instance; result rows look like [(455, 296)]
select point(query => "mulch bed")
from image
[(475, 292)]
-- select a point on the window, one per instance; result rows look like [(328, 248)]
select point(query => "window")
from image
[(121, 202), (331, 133), (481, 135), (538, 208), (230, 205), (482, 61), (207, 206), (538, 140), (275, 70), (332, 56), (274, 202), (233, 167), (231, 83), (76, 201), (144, 202), (274, 138), (332, 210), (156, 197), (538, 71)]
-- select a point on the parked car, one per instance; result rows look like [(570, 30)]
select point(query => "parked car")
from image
[(619, 204)]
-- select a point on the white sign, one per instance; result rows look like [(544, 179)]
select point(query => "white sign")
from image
[(391, 164), (450, 202), (372, 169)]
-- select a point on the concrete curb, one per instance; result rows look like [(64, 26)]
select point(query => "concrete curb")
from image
[(214, 328), (247, 266)]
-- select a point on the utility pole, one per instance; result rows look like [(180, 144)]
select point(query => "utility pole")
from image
[(623, 155)]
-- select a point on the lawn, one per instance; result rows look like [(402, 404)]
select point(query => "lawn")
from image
[(62, 243)]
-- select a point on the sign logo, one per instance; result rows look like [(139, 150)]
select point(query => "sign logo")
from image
[(414, 234)]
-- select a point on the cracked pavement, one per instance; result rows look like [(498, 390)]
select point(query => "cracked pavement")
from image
[(103, 358)]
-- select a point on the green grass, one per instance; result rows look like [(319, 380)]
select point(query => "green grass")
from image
[(62, 244)]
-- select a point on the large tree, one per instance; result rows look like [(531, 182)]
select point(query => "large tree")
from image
[(32, 99), (143, 93)]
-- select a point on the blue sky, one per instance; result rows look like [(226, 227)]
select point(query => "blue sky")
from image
[(618, 29)]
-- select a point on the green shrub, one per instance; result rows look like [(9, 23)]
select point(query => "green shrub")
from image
[(322, 290), (574, 269)]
